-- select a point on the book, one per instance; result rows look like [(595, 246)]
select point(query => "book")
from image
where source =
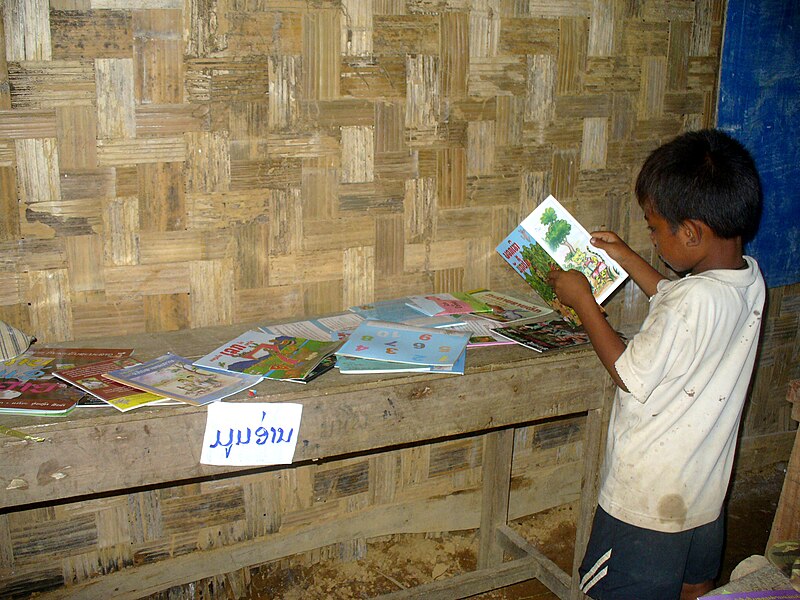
[(176, 377), (89, 378), (401, 343), (435, 305), (545, 335), (28, 386), (509, 309), (272, 356), (551, 237), (398, 310), (325, 329), (39, 362), (38, 397), (481, 332), (350, 365)]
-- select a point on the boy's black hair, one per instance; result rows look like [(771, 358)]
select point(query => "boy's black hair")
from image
[(706, 176)]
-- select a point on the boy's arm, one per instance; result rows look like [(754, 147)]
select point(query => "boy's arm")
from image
[(572, 288), (642, 273)]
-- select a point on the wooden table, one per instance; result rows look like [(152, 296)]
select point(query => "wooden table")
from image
[(102, 454)]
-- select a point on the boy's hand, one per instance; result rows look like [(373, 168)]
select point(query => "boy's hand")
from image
[(571, 286), (612, 244)]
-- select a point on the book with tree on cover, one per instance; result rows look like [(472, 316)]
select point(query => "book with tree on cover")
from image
[(122, 397), (28, 386), (401, 343), (176, 377), (550, 237), (281, 357)]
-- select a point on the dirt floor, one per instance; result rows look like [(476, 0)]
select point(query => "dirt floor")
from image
[(407, 560)]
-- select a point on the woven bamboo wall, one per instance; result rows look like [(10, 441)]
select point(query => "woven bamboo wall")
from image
[(169, 164)]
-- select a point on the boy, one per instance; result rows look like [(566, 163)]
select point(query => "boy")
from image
[(682, 380)]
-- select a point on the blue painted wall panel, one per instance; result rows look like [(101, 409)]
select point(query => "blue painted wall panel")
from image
[(759, 104)]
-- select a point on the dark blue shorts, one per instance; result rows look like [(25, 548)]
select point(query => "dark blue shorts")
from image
[(625, 562)]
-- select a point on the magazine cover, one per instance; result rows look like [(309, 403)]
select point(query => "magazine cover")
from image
[(508, 309), (435, 305), (548, 335), (568, 242), (397, 342), (350, 365), (176, 377), (533, 264), (39, 362), (42, 397), (122, 397), (28, 386), (273, 356)]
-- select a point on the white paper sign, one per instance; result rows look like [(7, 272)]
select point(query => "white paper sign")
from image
[(249, 434)]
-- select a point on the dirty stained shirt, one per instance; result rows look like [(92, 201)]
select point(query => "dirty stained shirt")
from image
[(672, 438)]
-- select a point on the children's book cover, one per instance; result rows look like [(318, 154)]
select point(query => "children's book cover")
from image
[(544, 336), (350, 365), (533, 263), (39, 362), (28, 386), (396, 310), (398, 342), (568, 242), (273, 356), (329, 328), (38, 397), (122, 397), (435, 305), (550, 237), (176, 377), (508, 309)]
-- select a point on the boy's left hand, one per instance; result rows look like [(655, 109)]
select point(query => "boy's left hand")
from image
[(571, 286)]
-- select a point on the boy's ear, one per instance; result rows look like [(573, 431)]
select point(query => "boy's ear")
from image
[(693, 232)]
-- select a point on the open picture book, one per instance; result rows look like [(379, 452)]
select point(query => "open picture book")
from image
[(550, 236)]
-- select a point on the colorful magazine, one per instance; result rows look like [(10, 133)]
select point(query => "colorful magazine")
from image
[(122, 397), (325, 329), (508, 309), (550, 237), (28, 386), (350, 365), (39, 362), (273, 356), (176, 377), (544, 336), (397, 342), (37, 397), (436, 305)]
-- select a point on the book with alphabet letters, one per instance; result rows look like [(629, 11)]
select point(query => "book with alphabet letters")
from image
[(550, 237), (401, 343)]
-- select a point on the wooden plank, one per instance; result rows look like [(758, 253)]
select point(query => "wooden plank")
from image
[(545, 570), (494, 497), (786, 524)]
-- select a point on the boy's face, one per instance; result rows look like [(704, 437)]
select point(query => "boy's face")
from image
[(668, 243)]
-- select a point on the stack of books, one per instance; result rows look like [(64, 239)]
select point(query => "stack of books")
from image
[(384, 347)]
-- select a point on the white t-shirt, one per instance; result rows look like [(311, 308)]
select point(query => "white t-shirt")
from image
[(672, 438)]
